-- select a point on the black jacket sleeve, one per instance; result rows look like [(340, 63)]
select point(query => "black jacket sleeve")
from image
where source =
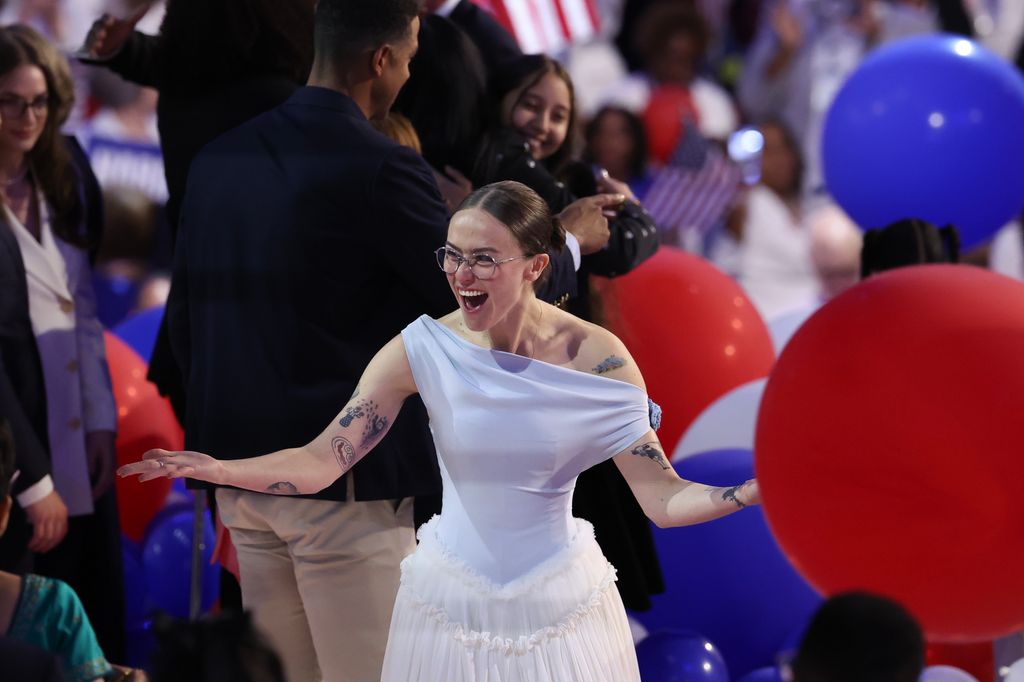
[(138, 61), (31, 457)]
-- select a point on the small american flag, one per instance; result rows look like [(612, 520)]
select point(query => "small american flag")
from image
[(692, 194), (548, 26)]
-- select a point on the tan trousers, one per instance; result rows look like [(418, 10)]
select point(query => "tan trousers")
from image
[(320, 578)]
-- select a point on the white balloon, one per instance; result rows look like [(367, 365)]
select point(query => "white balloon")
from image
[(782, 327), (1014, 673), (945, 673), (728, 423)]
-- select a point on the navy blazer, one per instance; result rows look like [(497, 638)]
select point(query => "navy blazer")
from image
[(305, 244)]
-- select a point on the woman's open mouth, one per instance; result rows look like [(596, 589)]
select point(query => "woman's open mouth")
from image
[(471, 300)]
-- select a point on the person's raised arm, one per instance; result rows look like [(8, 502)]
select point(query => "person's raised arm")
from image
[(360, 425), (666, 499)]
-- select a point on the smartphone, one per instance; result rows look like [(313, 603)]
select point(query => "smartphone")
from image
[(745, 148)]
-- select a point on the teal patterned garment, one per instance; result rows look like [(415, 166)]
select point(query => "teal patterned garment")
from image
[(50, 616)]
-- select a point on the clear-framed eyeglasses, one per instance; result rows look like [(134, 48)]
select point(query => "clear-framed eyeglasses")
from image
[(483, 266)]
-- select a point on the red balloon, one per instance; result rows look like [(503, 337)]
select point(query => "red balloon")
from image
[(667, 108), (977, 659), (145, 420), (693, 332), (889, 447)]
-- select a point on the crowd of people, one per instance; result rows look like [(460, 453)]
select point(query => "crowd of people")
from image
[(277, 173)]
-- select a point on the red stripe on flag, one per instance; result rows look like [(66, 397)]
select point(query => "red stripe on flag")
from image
[(497, 8), (595, 18), (563, 22)]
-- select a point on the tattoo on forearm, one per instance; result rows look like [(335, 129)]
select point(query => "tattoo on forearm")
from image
[(343, 452), (283, 488), (729, 495), (608, 364), (652, 452)]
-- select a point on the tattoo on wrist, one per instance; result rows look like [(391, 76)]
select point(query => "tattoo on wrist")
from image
[(282, 488), (343, 452), (729, 495), (608, 364), (652, 452)]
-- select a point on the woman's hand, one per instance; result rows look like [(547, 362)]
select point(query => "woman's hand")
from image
[(49, 519), (609, 185), (748, 494), (168, 464), (454, 186)]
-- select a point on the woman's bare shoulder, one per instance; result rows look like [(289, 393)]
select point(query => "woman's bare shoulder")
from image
[(595, 350)]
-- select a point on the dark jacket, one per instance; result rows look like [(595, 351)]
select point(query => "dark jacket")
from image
[(187, 122), (305, 245)]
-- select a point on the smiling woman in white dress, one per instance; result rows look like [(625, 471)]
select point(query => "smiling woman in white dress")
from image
[(505, 585)]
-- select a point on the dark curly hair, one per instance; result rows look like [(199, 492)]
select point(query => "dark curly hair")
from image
[(910, 241)]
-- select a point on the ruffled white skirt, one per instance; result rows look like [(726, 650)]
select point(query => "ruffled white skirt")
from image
[(561, 622)]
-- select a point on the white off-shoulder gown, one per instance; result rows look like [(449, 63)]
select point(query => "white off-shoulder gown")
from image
[(506, 585)]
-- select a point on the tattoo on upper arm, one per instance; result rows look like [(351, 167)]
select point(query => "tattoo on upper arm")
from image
[(283, 488), (652, 452), (729, 495), (343, 452), (608, 364), (352, 412), (376, 423)]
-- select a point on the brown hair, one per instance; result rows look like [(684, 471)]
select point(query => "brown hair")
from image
[(49, 160), (400, 129), (524, 213), (540, 66)]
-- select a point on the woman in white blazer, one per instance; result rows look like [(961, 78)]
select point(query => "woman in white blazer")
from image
[(42, 205)]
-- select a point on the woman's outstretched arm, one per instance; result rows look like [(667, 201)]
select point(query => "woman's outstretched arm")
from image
[(360, 425), (668, 500)]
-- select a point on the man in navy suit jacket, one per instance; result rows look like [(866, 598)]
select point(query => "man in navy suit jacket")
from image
[(305, 244)]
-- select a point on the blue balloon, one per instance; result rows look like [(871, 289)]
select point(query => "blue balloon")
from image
[(728, 578), (929, 127), (139, 331), (680, 656), (167, 560), (769, 674), (135, 598), (115, 297)]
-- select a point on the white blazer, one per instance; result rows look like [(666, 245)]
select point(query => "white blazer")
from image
[(62, 307)]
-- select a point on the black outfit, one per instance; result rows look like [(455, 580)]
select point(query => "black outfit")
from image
[(305, 245), (187, 121), (22, 398), (22, 662)]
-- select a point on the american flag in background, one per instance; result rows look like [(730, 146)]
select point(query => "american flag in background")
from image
[(692, 194), (548, 26)]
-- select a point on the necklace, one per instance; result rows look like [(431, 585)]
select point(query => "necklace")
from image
[(17, 178)]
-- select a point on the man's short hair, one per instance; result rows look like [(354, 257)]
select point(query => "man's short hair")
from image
[(860, 637), (349, 28)]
